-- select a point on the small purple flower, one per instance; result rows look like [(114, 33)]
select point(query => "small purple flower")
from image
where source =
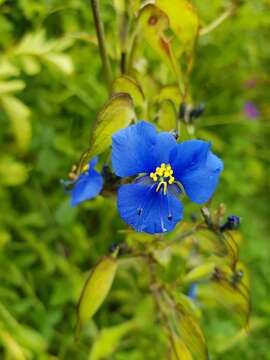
[(251, 110), (251, 83)]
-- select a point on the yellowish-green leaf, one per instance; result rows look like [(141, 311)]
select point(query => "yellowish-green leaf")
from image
[(13, 349), (23, 334), (172, 93), (127, 84), (34, 44), (183, 20), (62, 61), (153, 22), (7, 69), (117, 113), (167, 116), (19, 115), (30, 65), (179, 350), (11, 86), (192, 335), (231, 289), (203, 271), (109, 339), (227, 343), (96, 290), (12, 172)]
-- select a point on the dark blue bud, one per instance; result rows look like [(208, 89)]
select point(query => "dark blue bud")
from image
[(197, 111), (232, 223), (108, 176), (112, 247), (182, 110), (193, 217)]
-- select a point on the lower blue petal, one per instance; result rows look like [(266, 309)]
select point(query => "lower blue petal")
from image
[(147, 210), (88, 186)]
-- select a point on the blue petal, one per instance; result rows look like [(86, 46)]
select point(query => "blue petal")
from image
[(147, 210), (132, 149), (200, 183), (188, 155), (86, 187), (93, 162), (165, 142)]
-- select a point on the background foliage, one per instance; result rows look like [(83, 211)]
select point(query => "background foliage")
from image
[(51, 87)]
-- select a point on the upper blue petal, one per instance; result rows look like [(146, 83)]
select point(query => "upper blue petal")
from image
[(139, 149), (86, 187), (132, 149), (147, 210), (165, 142), (188, 155), (197, 168)]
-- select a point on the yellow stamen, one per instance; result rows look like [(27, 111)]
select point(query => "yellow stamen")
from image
[(163, 175), (85, 168)]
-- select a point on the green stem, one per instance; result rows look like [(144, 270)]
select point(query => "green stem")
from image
[(217, 22), (101, 42)]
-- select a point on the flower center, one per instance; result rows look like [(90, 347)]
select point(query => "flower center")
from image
[(163, 176)]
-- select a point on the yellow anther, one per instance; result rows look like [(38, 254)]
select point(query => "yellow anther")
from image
[(85, 168), (159, 171), (153, 176), (167, 174), (163, 175)]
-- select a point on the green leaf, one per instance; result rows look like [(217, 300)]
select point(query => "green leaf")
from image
[(95, 290), (23, 334), (183, 21), (200, 272), (167, 116), (171, 93), (61, 61), (11, 86), (179, 350), (153, 22), (191, 334), (8, 69), (30, 65), (12, 172), (13, 349), (231, 289), (108, 340), (19, 115), (34, 44), (127, 84), (117, 113)]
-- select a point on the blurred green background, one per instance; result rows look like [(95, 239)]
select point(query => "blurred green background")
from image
[(51, 88)]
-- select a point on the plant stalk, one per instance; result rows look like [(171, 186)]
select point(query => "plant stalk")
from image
[(102, 43)]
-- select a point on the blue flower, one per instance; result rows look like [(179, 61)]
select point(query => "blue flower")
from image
[(88, 185), (192, 292), (164, 169)]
